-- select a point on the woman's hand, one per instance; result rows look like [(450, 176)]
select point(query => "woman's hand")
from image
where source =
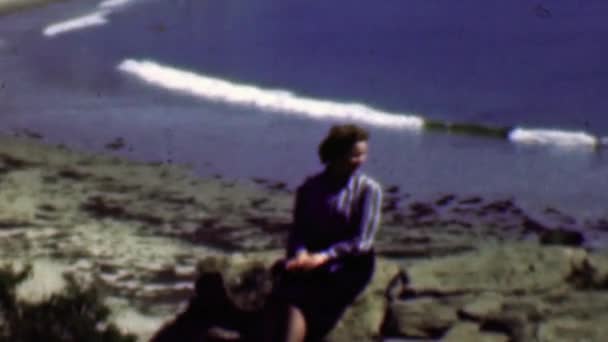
[(306, 261)]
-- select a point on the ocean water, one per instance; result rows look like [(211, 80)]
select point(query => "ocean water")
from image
[(490, 98)]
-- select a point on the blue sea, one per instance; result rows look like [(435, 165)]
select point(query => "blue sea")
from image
[(498, 99)]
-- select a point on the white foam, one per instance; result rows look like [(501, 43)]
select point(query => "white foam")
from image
[(113, 3), (90, 20), (215, 89), (45, 280), (553, 137)]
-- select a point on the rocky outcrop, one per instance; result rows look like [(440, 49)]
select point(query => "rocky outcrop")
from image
[(233, 296), (516, 292), (519, 292), (450, 267), (363, 321)]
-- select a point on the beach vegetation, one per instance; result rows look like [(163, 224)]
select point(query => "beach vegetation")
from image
[(75, 314)]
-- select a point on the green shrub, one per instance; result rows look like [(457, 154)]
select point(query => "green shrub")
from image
[(77, 314)]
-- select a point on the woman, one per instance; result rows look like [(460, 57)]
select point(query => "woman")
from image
[(329, 254)]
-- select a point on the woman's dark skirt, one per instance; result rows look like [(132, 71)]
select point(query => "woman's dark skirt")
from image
[(324, 293)]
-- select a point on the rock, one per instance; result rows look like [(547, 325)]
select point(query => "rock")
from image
[(363, 320), (445, 200), (73, 174), (499, 206), (232, 296), (421, 210), (585, 305), (533, 226), (599, 263), (116, 207), (471, 200), (32, 134), (10, 162), (486, 305), (101, 206), (511, 316), (524, 268), (420, 318), (567, 329), (278, 186), (471, 332), (513, 293), (562, 237), (590, 273), (393, 189), (247, 276)]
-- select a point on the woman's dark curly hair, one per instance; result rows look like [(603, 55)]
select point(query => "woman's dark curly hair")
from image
[(339, 142)]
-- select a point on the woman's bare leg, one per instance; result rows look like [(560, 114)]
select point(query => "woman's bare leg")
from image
[(296, 325)]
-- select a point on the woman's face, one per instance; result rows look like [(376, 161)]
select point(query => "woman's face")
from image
[(354, 159)]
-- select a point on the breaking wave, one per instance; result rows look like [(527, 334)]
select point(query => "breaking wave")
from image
[(282, 101), (113, 3), (215, 89), (552, 137), (97, 18), (89, 20)]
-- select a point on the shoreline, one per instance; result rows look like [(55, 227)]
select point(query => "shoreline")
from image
[(139, 230), (262, 201)]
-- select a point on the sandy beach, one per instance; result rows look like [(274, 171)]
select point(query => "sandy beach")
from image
[(139, 231)]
